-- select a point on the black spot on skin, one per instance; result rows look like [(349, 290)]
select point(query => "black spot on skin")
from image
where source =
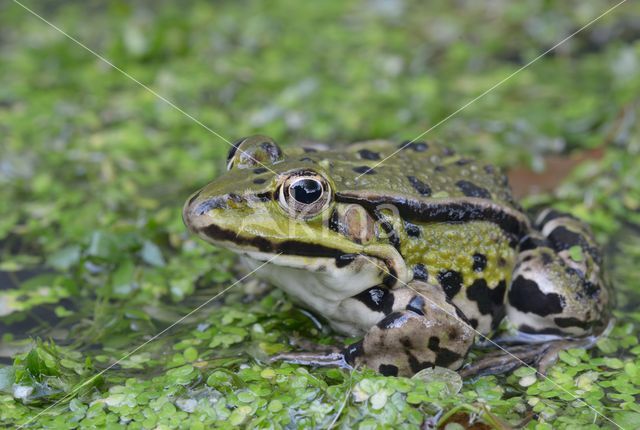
[(307, 159), (434, 343), (470, 189), (440, 168), (451, 282), (551, 215), (570, 271), (420, 272), (334, 221), (365, 154), (388, 370), (416, 146), (489, 169), (417, 365), (500, 313), (525, 296), (259, 181), (389, 281), (463, 162), (489, 300), (352, 352), (502, 262), (473, 323), (479, 262), (412, 229), (563, 238), (377, 299), (461, 316), (364, 170), (416, 305), (422, 188), (448, 152), (446, 357), (528, 243), (406, 342), (546, 258), (309, 150), (394, 320), (590, 289), (259, 170), (344, 260), (573, 322)]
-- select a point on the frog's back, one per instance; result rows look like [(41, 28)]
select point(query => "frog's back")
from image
[(417, 170)]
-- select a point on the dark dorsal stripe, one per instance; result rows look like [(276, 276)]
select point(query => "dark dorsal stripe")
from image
[(445, 211)]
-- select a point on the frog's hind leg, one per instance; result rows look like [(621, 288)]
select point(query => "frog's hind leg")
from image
[(422, 329), (557, 287), (557, 299)]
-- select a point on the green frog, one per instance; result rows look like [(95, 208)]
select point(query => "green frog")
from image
[(418, 255)]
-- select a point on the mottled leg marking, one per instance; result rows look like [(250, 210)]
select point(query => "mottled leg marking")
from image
[(424, 330), (557, 285)]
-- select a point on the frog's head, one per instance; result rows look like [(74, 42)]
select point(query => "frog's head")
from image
[(268, 204)]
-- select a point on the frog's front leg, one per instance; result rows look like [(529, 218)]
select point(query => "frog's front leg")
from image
[(421, 329)]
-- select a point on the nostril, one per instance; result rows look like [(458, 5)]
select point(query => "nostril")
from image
[(207, 205)]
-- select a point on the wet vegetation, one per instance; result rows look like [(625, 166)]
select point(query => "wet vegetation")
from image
[(94, 168)]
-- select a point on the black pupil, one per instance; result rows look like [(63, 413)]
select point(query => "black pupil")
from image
[(306, 191)]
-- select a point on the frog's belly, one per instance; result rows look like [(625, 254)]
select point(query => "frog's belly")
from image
[(321, 286)]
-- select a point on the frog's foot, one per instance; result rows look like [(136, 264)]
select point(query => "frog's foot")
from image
[(540, 356), (557, 286), (318, 359), (313, 355)]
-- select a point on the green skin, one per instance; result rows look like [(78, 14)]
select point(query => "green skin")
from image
[(418, 255)]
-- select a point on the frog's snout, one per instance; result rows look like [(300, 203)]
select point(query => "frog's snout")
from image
[(196, 212), (188, 212)]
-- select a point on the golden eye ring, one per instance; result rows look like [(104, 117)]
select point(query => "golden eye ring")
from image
[(304, 194)]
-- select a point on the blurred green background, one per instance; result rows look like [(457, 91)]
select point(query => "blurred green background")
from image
[(94, 259)]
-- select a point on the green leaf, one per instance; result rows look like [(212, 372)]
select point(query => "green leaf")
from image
[(7, 378), (575, 253), (64, 258), (151, 254)]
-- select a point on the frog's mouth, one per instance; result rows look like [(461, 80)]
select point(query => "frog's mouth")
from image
[(384, 260)]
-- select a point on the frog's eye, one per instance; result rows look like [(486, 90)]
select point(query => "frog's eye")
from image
[(304, 194), (253, 151)]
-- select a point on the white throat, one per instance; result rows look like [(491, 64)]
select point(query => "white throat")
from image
[(318, 283)]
